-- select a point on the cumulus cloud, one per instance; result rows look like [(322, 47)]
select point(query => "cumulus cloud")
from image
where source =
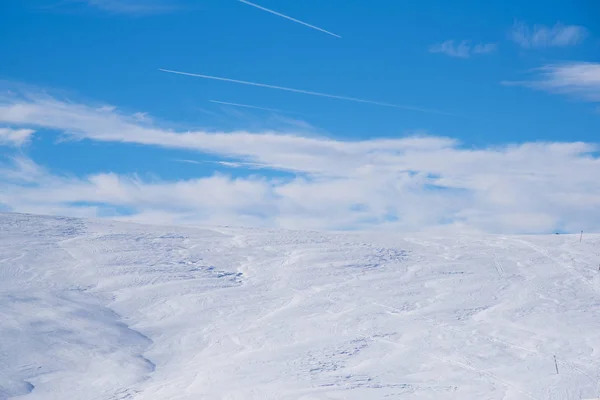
[(14, 137), (408, 183), (559, 35), (580, 79), (463, 49)]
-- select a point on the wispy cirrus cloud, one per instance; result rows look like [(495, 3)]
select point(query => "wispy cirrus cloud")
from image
[(464, 49), (15, 137), (132, 7), (578, 79), (559, 35), (409, 183)]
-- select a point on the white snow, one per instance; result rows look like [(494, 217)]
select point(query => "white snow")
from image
[(106, 310)]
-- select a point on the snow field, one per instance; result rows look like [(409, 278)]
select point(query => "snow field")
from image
[(108, 310)]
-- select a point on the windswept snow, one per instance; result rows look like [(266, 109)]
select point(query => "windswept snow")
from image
[(105, 310)]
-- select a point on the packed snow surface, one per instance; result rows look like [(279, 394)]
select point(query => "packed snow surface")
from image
[(100, 310)]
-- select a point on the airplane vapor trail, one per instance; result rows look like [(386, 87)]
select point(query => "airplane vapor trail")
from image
[(244, 105), (290, 18), (331, 96)]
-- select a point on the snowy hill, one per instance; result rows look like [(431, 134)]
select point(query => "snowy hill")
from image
[(107, 310)]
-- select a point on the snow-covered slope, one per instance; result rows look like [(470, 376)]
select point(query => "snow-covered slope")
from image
[(105, 310)]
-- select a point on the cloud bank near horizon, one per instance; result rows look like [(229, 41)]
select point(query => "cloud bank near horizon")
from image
[(409, 183)]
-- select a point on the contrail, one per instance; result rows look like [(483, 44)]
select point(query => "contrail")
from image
[(244, 105), (290, 18), (331, 96), (231, 164)]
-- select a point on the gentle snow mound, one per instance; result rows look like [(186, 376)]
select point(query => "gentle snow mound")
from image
[(105, 310)]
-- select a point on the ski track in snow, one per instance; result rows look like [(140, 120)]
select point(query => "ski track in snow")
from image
[(104, 310)]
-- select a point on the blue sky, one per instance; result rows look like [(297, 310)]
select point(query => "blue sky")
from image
[(517, 86)]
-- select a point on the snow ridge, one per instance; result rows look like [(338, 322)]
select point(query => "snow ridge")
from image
[(101, 310)]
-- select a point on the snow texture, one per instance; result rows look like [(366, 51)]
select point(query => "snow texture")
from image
[(102, 310)]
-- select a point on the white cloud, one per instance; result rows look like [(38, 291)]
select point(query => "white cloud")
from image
[(14, 137), (106, 108), (463, 49), (578, 79), (559, 35), (21, 170), (141, 117), (484, 48), (289, 152), (402, 184), (133, 7), (230, 164)]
